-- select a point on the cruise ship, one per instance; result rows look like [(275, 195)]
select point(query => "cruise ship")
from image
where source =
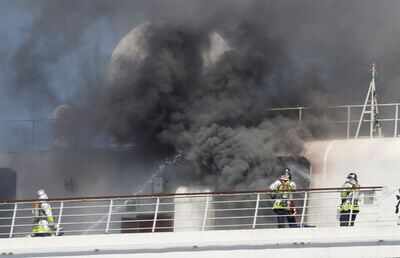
[(199, 222)]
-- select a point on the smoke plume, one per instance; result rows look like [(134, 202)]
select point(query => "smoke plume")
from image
[(169, 97)]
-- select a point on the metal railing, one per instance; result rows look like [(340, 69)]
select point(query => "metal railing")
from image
[(40, 134), (188, 212), (345, 118)]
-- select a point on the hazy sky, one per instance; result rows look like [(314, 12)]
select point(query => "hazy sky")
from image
[(45, 45)]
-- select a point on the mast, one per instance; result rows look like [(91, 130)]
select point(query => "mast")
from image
[(370, 108)]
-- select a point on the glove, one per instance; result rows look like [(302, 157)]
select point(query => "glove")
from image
[(292, 208)]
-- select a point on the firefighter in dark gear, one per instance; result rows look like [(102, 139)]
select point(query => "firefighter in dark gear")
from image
[(349, 206), (283, 205), (43, 219)]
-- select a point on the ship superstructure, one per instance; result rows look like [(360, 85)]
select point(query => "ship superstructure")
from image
[(199, 222)]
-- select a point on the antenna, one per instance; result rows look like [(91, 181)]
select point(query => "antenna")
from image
[(370, 107)]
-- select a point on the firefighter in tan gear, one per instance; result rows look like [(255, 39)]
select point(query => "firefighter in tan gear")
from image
[(349, 206), (43, 219), (283, 205)]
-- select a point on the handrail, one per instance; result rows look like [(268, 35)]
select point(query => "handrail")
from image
[(106, 198), (191, 211), (330, 107), (343, 116)]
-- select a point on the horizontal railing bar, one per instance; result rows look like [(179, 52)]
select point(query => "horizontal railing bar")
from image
[(84, 207), (24, 217), (357, 121), (331, 107), (234, 209), (83, 230), (139, 205), (147, 220), (142, 212), (83, 214), (229, 218), (24, 225), (181, 195), (232, 201), (133, 212), (148, 228), (229, 225), (84, 222), (18, 233)]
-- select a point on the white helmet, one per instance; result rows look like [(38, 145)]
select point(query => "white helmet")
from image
[(42, 194), (352, 176)]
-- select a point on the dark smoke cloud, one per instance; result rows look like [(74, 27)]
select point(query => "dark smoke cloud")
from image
[(216, 113), (283, 53), (245, 157)]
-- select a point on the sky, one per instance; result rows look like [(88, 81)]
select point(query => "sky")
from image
[(45, 44)]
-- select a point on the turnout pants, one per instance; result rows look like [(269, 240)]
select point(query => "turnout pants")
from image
[(345, 219), (285, 218)]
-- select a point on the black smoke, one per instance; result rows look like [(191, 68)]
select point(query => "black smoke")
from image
[(217, 114), (282, 53)]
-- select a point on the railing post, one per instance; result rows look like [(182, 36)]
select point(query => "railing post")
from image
[(304, 209), (13, 220), (203, 226), (348, 121), (155, 215), (351, 210), (396, 120), (59, 217), (110, 207), (256, 211), (300, 113)]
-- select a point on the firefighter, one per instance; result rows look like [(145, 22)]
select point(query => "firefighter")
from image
[(283, 205), (349, 206), (43, 219)]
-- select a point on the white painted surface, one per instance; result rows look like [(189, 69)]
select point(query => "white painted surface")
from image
[(377, 163), (190, 211), (306, 242)]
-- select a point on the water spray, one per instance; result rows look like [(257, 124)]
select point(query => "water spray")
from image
[(161, 168)]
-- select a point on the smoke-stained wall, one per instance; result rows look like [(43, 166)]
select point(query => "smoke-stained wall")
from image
[(8, 191), (66, 173)]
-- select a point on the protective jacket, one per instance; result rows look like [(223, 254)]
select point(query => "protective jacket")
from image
[(43, 219), (350, 197), (282, 194)]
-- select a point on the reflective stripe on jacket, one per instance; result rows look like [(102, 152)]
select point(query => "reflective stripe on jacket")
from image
[(42, 218), (282, 195), (349, 198), (41, 227)]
